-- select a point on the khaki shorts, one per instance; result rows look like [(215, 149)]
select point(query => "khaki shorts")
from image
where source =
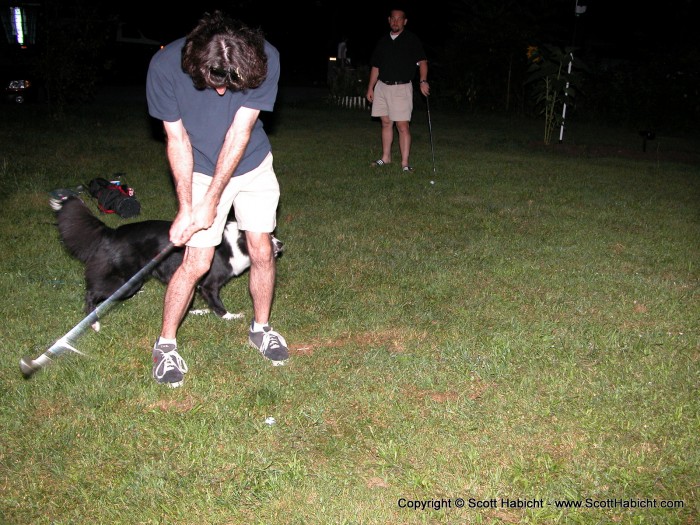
[(396, 102), (254, 197)]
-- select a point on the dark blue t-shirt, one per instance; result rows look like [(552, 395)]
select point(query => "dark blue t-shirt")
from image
[(206, 115)]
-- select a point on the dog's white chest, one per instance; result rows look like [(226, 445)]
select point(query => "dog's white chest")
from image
[(238, 261)]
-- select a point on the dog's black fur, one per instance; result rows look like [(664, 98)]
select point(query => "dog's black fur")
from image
[(112, 255)]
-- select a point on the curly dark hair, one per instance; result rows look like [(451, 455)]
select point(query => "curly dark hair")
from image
[(223, 52)]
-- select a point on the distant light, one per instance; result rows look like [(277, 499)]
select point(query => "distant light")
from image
[(17, 24), (332, 59)]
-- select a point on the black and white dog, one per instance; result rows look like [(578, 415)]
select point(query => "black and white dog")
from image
[(112, 255)]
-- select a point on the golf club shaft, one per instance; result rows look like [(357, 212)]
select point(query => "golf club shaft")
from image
[(430, 131), (65, 343)]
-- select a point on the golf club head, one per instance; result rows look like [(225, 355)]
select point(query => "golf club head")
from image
[(28, 367)]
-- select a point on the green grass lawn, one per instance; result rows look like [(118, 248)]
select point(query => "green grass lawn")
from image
[(521, 335)]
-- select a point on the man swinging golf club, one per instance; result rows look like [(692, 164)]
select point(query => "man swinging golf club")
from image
[(208, 89)]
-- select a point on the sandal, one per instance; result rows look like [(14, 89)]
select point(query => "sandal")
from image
[(407, 168), (378, 163)]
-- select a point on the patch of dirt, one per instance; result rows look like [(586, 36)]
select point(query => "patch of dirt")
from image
[(393, 340)]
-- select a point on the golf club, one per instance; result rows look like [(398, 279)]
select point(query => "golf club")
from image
[(29, 366), (430, 130)]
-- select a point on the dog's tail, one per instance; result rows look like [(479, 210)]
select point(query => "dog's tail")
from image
[(80, 231)]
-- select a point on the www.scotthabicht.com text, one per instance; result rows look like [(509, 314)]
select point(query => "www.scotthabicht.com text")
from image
[(534, 503)]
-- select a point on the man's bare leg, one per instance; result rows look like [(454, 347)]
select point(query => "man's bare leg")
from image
[(180, 291), (262, 289), (387, 139), (262, 275), (404, 141)]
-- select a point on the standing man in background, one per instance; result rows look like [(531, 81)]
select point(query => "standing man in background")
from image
[(390, 90)]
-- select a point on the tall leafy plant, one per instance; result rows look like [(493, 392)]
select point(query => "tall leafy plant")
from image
[(553, 76)]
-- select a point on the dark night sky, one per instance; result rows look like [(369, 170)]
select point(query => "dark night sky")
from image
[(307, 31)]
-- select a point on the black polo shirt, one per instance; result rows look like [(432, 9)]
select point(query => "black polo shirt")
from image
[(396, 58)]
